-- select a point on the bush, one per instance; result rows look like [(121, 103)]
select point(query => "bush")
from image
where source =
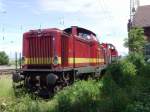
[(123, 90), (140, 88), (135, 41), (137, 59), (81, 97), (138, 106), (122, 72), (145, 70), (4, 60), (113, 98)]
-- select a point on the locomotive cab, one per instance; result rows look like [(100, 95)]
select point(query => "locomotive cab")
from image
[(81, 33)]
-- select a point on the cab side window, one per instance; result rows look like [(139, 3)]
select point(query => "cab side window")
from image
[(84, 35)]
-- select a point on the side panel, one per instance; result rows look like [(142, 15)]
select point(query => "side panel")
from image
[(57, 49), (96, 54), (86, 53), (100, 59), (82, 53), (64, 50), (71, 52)]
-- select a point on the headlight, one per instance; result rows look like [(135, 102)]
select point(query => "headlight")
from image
[(55, 60)]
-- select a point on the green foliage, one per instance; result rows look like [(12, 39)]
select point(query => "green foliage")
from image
[(135, 42), (6, 89), (113, 97), (145, 70), (122, 72), (141, 97), (82, 96), (4, 60), (130, 90), (26, 104), (137, 59), (138, 107), (117, 90)]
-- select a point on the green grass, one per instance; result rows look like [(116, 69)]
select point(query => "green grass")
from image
[(24, 103), (74, 98), (6, 89)]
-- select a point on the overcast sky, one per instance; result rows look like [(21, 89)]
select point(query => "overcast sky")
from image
[(107, 18)]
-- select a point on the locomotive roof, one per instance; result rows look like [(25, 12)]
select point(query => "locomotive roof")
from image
[(80, 29)]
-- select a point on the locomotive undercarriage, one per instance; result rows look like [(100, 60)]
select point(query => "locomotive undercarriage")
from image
[(47, 83), (44, 84)]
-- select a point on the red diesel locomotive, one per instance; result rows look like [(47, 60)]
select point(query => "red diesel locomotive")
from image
[(54, 58)]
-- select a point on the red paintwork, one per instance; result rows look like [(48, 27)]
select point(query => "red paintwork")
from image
[(54, 42), (110, 50)]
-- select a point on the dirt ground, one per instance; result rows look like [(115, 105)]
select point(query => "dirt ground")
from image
[(3, 67)]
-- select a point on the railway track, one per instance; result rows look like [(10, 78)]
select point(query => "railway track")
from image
[(6, 71)]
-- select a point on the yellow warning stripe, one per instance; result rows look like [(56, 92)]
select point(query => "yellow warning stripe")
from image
[(70, 60), (40, 60), (85, 60)]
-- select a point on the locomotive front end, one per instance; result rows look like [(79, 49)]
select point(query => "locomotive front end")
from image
[(40, 50), (41, 58)]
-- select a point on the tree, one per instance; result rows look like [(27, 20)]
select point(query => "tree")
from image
[(4, 60), (136, 40)]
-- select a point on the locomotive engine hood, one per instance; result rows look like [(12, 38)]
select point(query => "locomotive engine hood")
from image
[(40, 48)]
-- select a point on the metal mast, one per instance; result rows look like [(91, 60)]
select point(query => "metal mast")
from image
[(134, 4)]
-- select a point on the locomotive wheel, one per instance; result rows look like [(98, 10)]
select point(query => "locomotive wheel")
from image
[(27, 83), (66, 79), (45, 93), (57, 88), (51, 79)]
